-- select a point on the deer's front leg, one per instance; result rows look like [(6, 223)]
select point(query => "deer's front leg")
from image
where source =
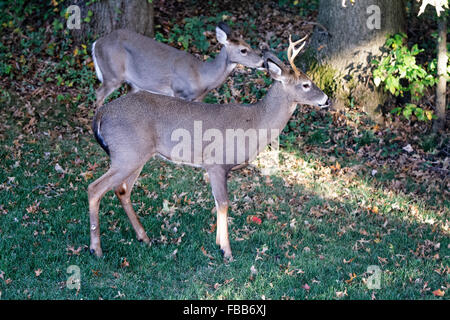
[(200, 97), (218, 180)]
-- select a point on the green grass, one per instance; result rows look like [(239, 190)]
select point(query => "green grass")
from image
[(314, 223)]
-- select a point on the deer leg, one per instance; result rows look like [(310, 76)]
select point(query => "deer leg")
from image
[(96, 191), (105, 90), (200, 98), (134, 89), (123, 192), (218, 180)]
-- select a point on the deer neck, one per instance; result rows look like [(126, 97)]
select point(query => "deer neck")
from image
[(214, 72), (276, 107)]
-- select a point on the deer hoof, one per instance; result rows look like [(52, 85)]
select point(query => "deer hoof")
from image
[(226, 256), (98, 252), (228, 259), (144, 239)]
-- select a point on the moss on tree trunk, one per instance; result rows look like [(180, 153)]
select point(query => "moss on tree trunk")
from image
[(354, 38)]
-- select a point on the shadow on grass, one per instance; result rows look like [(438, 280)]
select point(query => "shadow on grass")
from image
[(321, 229)]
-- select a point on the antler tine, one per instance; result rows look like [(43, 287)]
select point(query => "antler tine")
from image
[(292, 52)]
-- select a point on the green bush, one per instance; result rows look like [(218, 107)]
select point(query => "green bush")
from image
[(192, 33), (399, 73)]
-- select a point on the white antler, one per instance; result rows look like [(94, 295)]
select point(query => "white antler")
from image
[(292, 52), (439, 4)]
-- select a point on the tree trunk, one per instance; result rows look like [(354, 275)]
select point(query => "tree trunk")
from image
[(355, 35), (441, 90), (108, 15)]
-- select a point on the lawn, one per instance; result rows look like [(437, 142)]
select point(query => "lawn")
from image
[(322, 225)]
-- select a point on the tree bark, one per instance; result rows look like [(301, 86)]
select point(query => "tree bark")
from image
[(441, 90), (353, 40), (108, 15)]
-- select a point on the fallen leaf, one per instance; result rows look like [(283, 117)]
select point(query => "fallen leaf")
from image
[(341, 294), (374, 209), (33, 208), (254, 219), (206, 253), (124, 263), (439, 293), (352, 277), (253, 270), (382, 261), (72, 250), (348, 261), (59, 169), (408, 148), (96, 272), (87, 175)]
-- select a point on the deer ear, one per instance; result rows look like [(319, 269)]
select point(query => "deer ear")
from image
[(275, 71), (225, 28), (221, 35)]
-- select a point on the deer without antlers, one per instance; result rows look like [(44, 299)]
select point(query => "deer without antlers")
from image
[(146, 64), (138, 126)]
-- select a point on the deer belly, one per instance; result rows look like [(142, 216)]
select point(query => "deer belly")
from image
[(163, 91), (179, 161)]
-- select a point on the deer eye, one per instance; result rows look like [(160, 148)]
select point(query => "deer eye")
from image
[(244, 51), (306, 86)]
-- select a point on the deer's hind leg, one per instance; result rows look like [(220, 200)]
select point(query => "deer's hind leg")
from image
[(123, 192), (110, 70), (106, 88), (96, 190)]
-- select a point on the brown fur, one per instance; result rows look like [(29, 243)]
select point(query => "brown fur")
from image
[(138, 126), (146, 64)]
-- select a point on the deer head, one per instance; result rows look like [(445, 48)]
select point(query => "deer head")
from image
[(237, 49), (299, 88)]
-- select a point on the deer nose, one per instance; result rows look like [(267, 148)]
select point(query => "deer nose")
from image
[(326, 104)]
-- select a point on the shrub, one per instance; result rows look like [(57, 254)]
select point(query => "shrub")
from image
[(399, 73)]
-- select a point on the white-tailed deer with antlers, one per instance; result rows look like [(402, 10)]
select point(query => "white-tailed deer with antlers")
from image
[(135, 127), (146, 64)]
